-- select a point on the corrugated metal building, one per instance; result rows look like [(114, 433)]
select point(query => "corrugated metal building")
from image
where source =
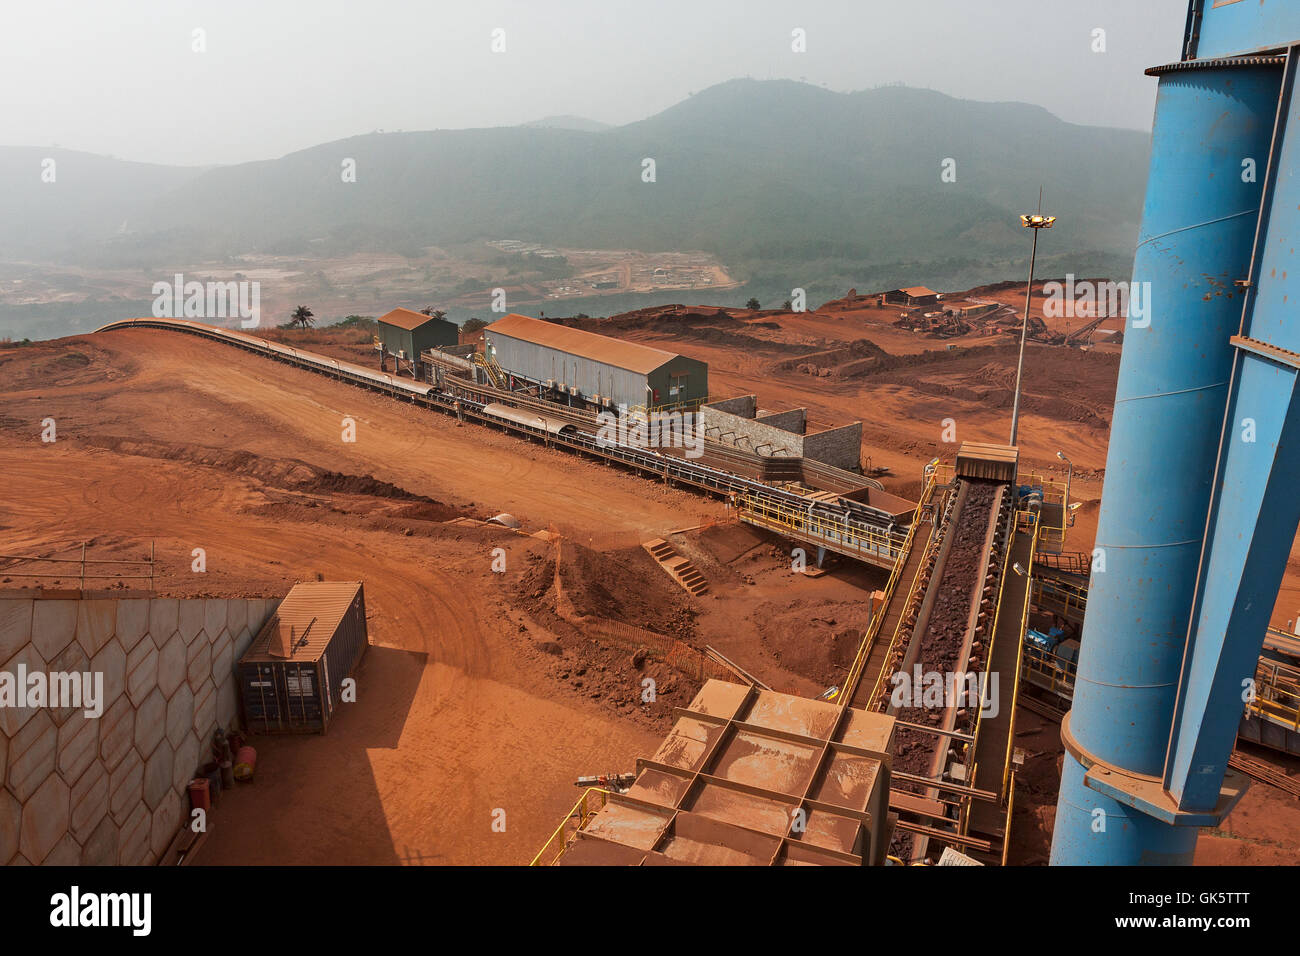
[(406, 333), (917, 295), (291, 676), (594, 368)]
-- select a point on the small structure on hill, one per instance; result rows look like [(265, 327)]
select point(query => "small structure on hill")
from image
[(405, 333), (917, 296)]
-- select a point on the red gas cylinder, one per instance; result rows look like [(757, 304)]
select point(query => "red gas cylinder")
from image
[(200, 796), (245, 762)]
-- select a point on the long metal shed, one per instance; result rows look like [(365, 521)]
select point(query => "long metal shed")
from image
[(291, 677), (593, 368)]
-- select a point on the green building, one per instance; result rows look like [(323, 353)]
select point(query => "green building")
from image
[(406, 333)]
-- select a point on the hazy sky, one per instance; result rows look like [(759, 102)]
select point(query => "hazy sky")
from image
[(121, 76)]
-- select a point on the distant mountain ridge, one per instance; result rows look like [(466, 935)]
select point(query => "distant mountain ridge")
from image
[(788, 183), (567, 121)]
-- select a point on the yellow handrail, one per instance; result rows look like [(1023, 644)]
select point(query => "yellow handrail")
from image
[(1006, 829), (682, 406), (1015, 684), (794, 520), (1059, 676), (1277, 693), (559, 840), (1020, 654), (1054, 492), (898, 627), (494, 371), (877, 621), (1059, 596)]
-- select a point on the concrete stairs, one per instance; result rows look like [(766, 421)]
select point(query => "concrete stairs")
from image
[(679, 568)]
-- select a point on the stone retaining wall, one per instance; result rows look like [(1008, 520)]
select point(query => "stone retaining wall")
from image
[(112, 789)]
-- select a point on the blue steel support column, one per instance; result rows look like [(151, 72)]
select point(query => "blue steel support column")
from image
[(1256, 509), (1197, 230)]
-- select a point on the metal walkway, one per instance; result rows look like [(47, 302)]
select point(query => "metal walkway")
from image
[(876, 546), (995, 733), (886, 618)]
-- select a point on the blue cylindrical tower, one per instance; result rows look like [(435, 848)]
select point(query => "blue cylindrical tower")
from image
[(1210, 145)]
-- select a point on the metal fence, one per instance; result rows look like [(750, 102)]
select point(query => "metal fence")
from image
[(86, 568)]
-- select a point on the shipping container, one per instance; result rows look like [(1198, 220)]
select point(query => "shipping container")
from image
[(291, 677)]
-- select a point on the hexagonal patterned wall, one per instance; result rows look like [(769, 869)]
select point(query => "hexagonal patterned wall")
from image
[(111, 789)]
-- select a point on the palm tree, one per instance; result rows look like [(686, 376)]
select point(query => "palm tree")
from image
[(433, 313), (302, 318)]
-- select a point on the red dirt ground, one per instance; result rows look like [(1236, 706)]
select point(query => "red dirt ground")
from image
[(476, 696), (464, 705)]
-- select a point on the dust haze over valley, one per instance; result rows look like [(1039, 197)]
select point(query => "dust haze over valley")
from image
[(783, 159), (775, 183)]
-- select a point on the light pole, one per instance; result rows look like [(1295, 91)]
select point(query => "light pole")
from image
[(1069, 475), (1035, 222)]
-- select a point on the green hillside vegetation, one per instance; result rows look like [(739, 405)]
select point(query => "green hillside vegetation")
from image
[(788, 184)]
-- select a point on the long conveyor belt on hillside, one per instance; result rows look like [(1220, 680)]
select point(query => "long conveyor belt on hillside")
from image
[(571, 432)]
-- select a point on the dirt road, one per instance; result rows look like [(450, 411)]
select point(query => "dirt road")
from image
[(452, 722)]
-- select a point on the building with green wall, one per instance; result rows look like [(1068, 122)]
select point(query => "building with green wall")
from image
[(406, 333)]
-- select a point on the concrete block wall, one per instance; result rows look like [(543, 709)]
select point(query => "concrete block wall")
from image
[(736, 421), (841, 447), (112, 789), (745, 406), (795, 420), (731, 422)]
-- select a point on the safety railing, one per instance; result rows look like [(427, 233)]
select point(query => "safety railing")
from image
[(855, 540), (1044, 669), (897, 637), (1054, 489), (85, 569), (878, 620), (1053, 536), (1075, 562), (1277, 693), (1070, 601), (1051, 533), (689, 404), (591, 800), (1020, 656), (999, 610), (1011, 810), (1054, 492), (496, 375)]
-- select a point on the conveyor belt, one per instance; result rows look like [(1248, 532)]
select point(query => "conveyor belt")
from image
[(890, 617), (854, 514), (993, 738), (955, 613)]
